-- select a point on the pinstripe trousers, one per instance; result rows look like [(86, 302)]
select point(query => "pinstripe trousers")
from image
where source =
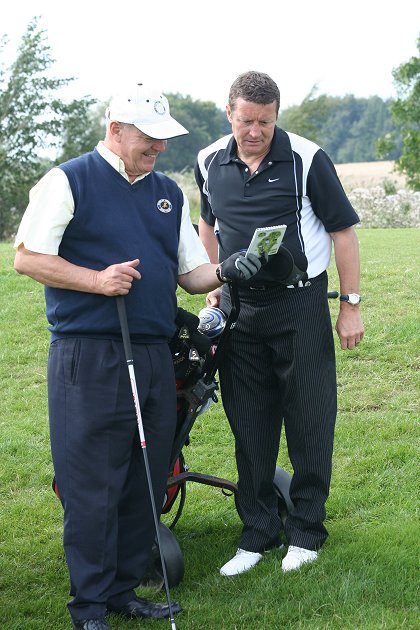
[(280, 366)]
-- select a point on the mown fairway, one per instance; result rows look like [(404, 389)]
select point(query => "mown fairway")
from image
[(367, 575)]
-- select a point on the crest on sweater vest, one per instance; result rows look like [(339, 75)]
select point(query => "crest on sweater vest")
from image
[(164, 205)]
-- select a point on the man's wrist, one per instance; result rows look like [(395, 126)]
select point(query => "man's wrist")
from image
[(219, 274), (350, 298)]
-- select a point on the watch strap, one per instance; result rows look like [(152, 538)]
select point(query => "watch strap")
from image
[(346, 298)]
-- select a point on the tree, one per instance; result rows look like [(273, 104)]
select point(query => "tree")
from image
[(371, 118), (346, 127), (31, 121), (336, 134), (308, 118), (82, 128), (406, 114), (205, 123)]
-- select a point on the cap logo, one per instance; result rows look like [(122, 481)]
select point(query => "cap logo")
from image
[(163, 205), (160, 108)]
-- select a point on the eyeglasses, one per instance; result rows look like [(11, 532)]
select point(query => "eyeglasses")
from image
[(142, 135), (149, 139)]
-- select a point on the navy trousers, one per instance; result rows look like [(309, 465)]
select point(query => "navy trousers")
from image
[(280, 366), (99, 464)]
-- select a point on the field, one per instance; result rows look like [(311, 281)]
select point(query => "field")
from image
[(366, 577), (369, 175)]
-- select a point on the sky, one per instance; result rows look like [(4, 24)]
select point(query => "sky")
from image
[(199, 47)]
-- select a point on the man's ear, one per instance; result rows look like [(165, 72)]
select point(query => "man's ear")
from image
[(229, 113), (115, 130)]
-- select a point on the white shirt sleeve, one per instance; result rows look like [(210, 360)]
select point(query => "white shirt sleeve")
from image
[(191, 251), (50, 210)]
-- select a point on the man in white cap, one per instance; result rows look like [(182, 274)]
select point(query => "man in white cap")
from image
[(102, 225)]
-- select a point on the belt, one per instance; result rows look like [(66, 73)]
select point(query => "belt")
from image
[(273, 285), (265, 287)]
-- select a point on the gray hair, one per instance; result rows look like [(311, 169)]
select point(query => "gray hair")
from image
[(255, 87)]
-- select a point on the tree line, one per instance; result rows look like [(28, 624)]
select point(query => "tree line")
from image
[(40, 130)]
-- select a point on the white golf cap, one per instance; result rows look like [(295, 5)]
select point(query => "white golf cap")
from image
[(147, 109)]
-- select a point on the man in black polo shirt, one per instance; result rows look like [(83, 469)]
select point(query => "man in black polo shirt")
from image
[(281, 361)]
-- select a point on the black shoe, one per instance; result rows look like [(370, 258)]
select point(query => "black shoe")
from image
[(90, 624), (143, 608)]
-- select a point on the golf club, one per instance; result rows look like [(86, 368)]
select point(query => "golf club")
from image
[(122, 314)]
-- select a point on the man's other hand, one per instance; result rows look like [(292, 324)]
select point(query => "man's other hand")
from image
[(238, 267)]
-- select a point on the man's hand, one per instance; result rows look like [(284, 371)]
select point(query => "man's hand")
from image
[(349, 327), (213, 298), (117, 279), (238, 267)]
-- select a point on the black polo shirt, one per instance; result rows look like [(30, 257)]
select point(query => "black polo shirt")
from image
[(296, 184)]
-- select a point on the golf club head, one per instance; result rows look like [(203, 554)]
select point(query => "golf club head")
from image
[(212, 321)]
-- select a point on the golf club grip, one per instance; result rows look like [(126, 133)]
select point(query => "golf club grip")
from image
[(122, 314)]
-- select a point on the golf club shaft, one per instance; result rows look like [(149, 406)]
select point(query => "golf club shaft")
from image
[(122, 314)]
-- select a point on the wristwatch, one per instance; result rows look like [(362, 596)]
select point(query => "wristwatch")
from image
[(351, 298)]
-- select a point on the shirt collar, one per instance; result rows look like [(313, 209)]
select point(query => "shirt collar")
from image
[(280, 150), (115, 161)]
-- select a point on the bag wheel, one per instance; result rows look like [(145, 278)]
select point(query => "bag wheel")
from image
[(174, 561)]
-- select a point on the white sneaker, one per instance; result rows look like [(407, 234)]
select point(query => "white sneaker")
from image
[(242, 561), (296, 557)]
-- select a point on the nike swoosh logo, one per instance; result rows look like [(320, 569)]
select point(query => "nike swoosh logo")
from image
[(273, 180)]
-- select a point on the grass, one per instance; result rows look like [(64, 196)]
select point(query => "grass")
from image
[(367, 575)]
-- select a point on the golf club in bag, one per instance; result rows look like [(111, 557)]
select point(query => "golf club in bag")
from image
[(130, 365)]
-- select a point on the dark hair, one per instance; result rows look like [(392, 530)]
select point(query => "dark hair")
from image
[(255, 87)]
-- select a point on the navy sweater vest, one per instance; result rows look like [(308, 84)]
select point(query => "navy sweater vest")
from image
[(115, 221)]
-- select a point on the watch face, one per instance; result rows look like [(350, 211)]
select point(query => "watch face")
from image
[(354, 298)]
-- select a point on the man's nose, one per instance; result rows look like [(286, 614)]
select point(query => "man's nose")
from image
[(160, 145), (255, 129)]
